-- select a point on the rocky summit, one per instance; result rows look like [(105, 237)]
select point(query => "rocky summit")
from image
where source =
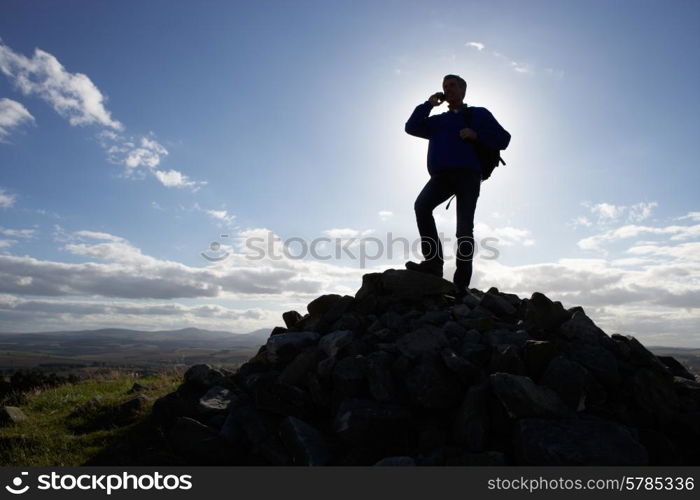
[(404, 373)]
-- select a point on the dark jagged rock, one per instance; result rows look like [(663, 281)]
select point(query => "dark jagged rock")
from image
[(367, 422), (296, 371), (291, 318), (320, 305), (403, 373), (576, 442), (136, 388), (425, 340), (406, 284), (496, 304), (537, 355), (199, 443), (332, 343), (506, 358), (431, 385), (205, 376), (471, 425), (131, 407), (306, 444), (568, 379), (284, 347), (545, 314), (522, 398), (377, 370), (677, 369)]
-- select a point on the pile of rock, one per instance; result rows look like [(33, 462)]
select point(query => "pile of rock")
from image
[(404, 374)]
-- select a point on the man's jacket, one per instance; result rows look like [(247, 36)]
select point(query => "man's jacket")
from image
[(446, 149)]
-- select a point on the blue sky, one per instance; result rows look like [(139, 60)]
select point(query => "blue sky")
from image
[(135, 134)]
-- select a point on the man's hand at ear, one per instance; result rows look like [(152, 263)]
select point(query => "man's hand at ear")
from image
[(437, 98), (467, 134)]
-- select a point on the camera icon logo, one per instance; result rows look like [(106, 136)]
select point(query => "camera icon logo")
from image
[(215, 247), (17, 483)]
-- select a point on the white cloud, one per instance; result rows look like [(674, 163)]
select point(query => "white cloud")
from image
[(582, 221), (147, 154), (96, 235), (346, 233), (7, 200), (683, 252), (608, 213), (385, 215), (604, 215), (72, 95), (132, 153), (221, 215), (18, 233), (506, 235), (675, 233), (641, 211), (121, 270), (623, 297), (520, 67), (648, 287), (75, 97), (651, 291), (12, 115), (141, 155), (694, 216), (173, 178)]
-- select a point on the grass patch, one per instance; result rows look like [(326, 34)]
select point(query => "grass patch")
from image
[(72, 424)]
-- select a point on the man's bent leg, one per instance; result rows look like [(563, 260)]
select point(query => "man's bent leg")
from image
[(436, 191)]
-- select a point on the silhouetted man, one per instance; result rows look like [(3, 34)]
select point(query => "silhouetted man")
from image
[(454, 169)]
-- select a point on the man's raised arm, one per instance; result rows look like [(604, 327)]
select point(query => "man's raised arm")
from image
[(418, 124)]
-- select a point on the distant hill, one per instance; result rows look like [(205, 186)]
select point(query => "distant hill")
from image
[(119, 346)]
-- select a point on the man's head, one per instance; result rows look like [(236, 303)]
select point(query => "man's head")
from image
[(454, 88)]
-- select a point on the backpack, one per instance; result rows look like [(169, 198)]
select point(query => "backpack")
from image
[(488, 158)]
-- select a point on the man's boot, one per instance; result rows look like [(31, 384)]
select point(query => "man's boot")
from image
[(460, 280), (433, 267)]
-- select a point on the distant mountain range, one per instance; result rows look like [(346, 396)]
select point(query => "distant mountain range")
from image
[(125, 346)]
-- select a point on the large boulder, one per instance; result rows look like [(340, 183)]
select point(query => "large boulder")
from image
[(306, 444), (522, 398), (199, 443), (204, 376), (403, 284), (545, 314), (285, 346), (11, 415)]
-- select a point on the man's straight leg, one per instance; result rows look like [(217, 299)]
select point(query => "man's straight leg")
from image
[(468, 188)]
